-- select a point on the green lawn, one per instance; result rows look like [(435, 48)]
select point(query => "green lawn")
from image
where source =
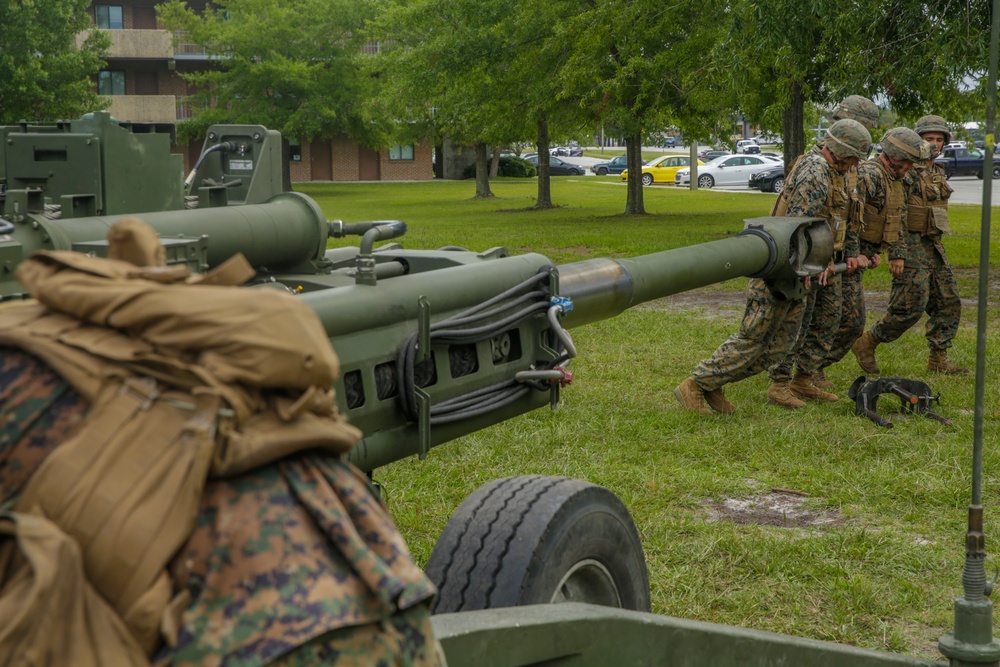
[(884, 577)]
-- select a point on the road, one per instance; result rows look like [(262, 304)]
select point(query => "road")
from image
[(968, 189)]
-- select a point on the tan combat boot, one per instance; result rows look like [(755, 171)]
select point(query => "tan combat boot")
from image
[(864, 351), (819, 379), (691, 396), (717, 401), (779, 394), (939, 363), (802, 386)]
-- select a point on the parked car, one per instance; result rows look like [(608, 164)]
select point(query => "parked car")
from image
[(559, 168), (771, 179), (662, 169), (746, 146), (726, 170), (709, 155), (964, 162), (956, 144), (615, 165), (575, 149), (669, 142)]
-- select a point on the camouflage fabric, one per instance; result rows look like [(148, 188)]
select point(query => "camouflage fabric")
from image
[(820, 324), (873, 189), (297, 559), (399, 641), (771, 323), (809, 185), (928, 283), (852, 315), (767, 333)]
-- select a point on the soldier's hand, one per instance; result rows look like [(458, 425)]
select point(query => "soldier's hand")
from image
[(852, 264), (863, 262), (876, 261), (824, 277), (896, 267)]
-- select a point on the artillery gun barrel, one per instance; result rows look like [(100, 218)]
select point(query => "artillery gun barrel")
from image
[(286, 230), (367, 324)]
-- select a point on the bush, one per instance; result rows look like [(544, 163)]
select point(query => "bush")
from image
[(509, 166)]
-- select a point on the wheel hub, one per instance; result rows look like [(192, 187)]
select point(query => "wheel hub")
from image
[(588, 581)]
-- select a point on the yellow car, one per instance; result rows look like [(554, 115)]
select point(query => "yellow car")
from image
[(662, 169)]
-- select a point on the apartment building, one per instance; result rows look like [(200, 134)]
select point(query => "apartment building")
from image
[(143, 79)]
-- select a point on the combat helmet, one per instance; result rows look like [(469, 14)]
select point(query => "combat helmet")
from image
[(858, 108), (848, 138), (902, 143), (933, 124)]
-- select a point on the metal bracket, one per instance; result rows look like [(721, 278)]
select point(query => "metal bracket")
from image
[(423, 399)]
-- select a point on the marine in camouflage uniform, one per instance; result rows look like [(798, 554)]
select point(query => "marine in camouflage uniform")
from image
[(927, 283), (881, 189), (825, 303), (295, 563), (771, 322)]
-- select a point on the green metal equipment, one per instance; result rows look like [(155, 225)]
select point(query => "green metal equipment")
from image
[(433, 345)]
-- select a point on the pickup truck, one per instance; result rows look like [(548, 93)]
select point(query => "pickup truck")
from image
[(964, 162)]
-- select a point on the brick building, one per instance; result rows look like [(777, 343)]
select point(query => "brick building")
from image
[(143, 80)]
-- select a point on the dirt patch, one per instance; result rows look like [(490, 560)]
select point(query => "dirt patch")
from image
[(776, 508)]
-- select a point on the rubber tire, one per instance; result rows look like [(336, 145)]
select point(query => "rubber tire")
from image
[(513, 540), (601, 171), (777, 185), (996, 172), (647, 179), (706, 181)]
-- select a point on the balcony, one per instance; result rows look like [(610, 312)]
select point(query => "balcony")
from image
[(144, 108), (137, 44)]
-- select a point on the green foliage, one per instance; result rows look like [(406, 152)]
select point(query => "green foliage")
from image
[(291, 65), (43, 74), (885, 578)]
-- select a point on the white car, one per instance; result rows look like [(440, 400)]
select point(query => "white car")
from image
[(726, 170)]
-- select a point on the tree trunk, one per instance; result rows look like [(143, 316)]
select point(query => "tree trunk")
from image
[(633, 151), (495, 162), (544, 198), (482, 172), (792, 127)]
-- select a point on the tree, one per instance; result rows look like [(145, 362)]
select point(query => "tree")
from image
[(445, 69), (44, 75), (640, 66), (910, 54), (292, 65)]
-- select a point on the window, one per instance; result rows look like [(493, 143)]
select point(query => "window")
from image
[(294, 150), (401, 152), (111, 82), (108, 17)]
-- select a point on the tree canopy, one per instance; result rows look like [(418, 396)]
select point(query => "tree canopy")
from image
[(44, 75), (291, 65)]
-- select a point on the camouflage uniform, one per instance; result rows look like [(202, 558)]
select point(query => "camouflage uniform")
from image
[(771, 322), (927, 284), (823, 304), (874, 186), (295, 563)]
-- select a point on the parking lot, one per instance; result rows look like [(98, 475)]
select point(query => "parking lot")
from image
[(968, 189)]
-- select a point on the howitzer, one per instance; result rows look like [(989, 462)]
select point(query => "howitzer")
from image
[(434, 345)]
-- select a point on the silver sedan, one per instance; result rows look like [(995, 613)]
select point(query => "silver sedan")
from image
[(726, 170)]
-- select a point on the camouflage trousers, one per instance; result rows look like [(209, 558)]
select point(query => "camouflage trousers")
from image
[(769, 328), (929, 287), (820, 322), (852, 317), (405, 639)]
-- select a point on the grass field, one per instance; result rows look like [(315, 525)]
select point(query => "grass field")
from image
[(882, 573)]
